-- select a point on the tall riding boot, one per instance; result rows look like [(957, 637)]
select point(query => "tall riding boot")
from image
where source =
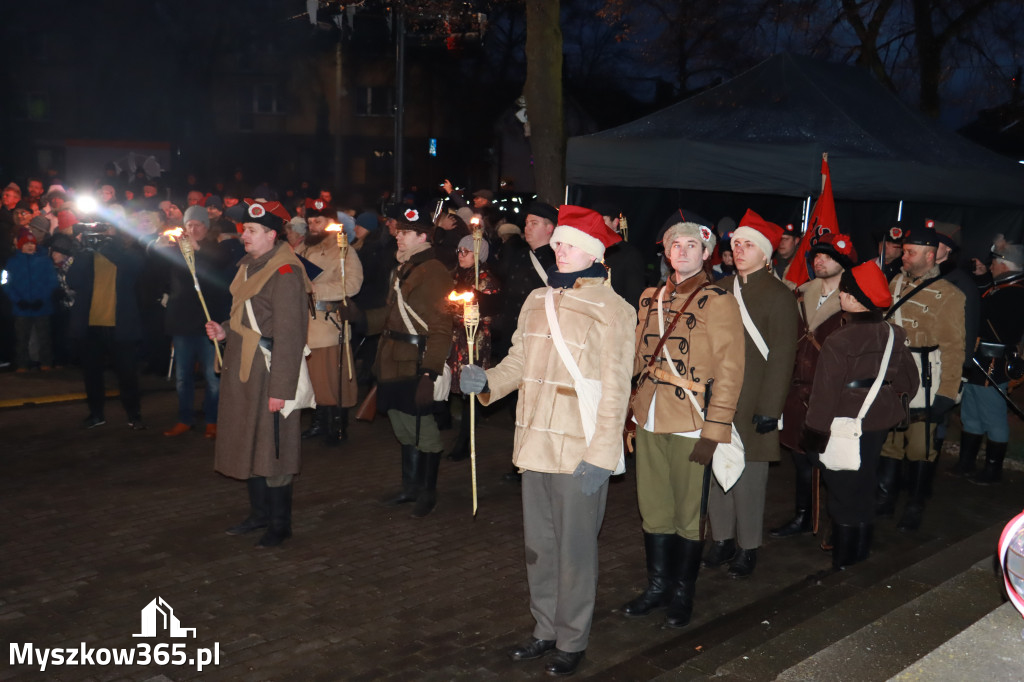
[(888, 486), (427, 499), (411, 465), (259, 507), (280, 528), (864, 540), (845, 539), (331, 425), (920, 472), (319, 426), (460, 449), (661, 550), (803, 521), (687, 566), (970, 443), (341, 423), (995, 453)]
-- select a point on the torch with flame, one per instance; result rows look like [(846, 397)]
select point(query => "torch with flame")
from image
[(471, 320), (190, 260), (478, 234), (624, 227), (346, 326)]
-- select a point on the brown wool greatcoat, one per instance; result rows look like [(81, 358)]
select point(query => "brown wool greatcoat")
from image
[(245, 431), (854, 353), (707, 343), (772, 307), (597, 325), (814, 327), (425, 285)]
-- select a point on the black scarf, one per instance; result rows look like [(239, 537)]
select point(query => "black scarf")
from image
[(566, 280)]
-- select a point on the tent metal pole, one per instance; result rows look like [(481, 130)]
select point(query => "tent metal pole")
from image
[(899, 212), (566, 200), (807, 213)]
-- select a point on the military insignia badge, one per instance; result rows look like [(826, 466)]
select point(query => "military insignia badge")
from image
[(412, 215), (257, 211)]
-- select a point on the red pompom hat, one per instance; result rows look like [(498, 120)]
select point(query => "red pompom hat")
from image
[(584, 229), (867, 284)]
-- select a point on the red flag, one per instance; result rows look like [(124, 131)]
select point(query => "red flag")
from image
[(823, 219)]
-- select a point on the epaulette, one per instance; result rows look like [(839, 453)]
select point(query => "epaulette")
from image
[(284, 269)]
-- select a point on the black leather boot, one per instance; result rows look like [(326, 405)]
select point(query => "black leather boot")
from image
[(411, 465), (280, 527), (427, 499), (802, 521), (339, 425), (319, 425), (259, 507), (660, 549), (970, 443), (920, 473), (721, 552), (743, 563), (992, 472), (331, 425), (687, 565), (888, 486), (864, 540), (845, 539)]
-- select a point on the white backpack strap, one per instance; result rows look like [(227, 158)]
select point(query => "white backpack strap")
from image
[(877, 384), (405, 310), (536, 266), (558, 339), (748, 323)]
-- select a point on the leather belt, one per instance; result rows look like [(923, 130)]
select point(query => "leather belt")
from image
[(414, 339), (923, 350), (329, 306), (865, 383), (664, 377)]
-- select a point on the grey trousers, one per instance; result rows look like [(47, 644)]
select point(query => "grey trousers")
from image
[(739, 513), (560, 527)]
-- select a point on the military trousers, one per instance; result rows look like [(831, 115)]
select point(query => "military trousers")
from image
[(911, 443), (668, 484), (739, 513)]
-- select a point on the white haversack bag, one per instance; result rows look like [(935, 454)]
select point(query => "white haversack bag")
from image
[(843, 450)]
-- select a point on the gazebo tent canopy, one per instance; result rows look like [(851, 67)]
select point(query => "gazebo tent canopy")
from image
[(764, 131)]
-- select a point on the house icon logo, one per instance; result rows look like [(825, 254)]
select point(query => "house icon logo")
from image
[(158, 617)]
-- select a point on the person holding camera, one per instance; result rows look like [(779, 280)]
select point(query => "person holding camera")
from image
[(31, 281), (105, 318)]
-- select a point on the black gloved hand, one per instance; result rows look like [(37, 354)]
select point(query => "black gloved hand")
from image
[(940, 406), (763, 424), (35, 304), (703, 451), (21, 305), (424, 392)]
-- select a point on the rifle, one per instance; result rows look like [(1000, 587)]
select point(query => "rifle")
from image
[(367, 410)]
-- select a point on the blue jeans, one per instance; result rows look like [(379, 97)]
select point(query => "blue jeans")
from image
[(188, 350), (983, 411)]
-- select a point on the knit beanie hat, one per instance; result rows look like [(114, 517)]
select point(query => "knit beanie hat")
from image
[(467, 243), (25, 236), (197, 213)]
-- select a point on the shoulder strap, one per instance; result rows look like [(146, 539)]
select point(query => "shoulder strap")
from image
[(558, 339), (877, 384), (536, 266), (913, 292), (748, 324), (672, 324)]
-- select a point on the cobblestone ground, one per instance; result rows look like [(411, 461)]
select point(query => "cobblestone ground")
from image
[(96, 524)]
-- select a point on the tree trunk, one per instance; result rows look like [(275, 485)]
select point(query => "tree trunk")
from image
[(543, 92)]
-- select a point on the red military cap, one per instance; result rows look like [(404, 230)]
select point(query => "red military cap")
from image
[(318, 207), (761, 232), (269, 214), (867, 284)]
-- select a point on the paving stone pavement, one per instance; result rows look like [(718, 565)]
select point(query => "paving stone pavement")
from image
[(97, 524)]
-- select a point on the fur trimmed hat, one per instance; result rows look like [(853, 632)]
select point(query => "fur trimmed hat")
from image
[(867, 284), (413, 219), (759, 231), (269, 214), (837, 246), (701, 233), (583, 228), (317, 208)]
